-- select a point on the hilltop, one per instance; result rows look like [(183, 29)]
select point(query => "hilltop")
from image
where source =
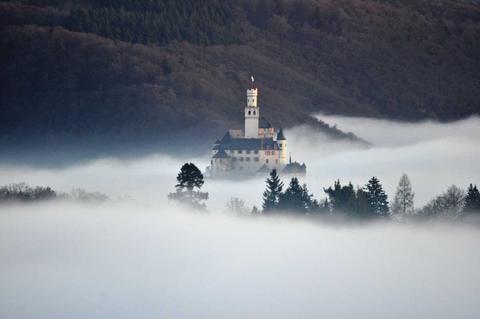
[(164, 71)]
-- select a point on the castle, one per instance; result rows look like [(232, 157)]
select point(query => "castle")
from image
[(257, 149)]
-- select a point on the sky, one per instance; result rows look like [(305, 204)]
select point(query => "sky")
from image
[(146, 257)]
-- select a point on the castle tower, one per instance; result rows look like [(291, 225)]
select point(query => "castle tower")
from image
[(282, 144), (252, 113)]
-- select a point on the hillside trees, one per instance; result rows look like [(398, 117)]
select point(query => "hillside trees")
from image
[(97, 71), (202, 22)]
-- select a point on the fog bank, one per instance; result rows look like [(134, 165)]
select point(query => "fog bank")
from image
[(146, 257), (133, 260)]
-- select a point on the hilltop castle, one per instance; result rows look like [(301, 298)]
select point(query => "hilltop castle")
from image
[(257, 149)]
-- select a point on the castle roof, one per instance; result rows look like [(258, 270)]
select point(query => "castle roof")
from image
[(264, 123), (264, 169), (226, 138), (221, 154), (294, 167), (280, 136)]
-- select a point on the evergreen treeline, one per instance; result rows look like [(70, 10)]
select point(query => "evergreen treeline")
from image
[(360, 203), (368, 202), (156, 21)]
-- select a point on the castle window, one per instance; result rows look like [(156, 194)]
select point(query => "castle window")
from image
[(234, 159), (254, 112), (266, 161), (248, 151), (247, 159), (241, 159), (276, 161), (256, 159), (256, 151), (240, 152), (249, 112)]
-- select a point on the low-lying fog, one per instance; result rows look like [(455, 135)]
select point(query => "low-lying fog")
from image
[(146, 258)]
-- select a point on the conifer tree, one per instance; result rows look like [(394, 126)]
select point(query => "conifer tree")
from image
[(293, 199), (377, 199), (403, 201), (342, 198), (362, 206), (189, 178), (272, 193), (472, 200)]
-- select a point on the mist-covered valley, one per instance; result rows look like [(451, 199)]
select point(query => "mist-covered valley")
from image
[(140, 255)]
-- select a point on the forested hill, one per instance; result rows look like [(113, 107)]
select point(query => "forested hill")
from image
[(162, 70)]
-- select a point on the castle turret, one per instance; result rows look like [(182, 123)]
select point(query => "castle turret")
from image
[(282, 145), (252, 113)]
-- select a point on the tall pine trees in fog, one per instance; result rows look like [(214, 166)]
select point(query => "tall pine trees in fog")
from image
[(403, 205), (472, 200), (272, 193), (342, 198), (377, 199), (297, 199)]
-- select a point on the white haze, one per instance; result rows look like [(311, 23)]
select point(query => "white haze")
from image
[(146, 258)]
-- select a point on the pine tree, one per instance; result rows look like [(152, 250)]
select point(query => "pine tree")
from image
[(377, 199), (272, 193), (403, 201), (472, 200), (362, 205), (189, 177), (293, 199)]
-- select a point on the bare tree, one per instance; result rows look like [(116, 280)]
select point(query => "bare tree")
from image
[(237, 205), (403, 203), (447, 205)]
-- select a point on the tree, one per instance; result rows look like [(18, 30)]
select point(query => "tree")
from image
[(292, 199), (447, 205), (272, 193), (342, 198), (362, 205), (237, 206), (403, 202), (377, 199), (189, 178), (472, 200), (297, 199)]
